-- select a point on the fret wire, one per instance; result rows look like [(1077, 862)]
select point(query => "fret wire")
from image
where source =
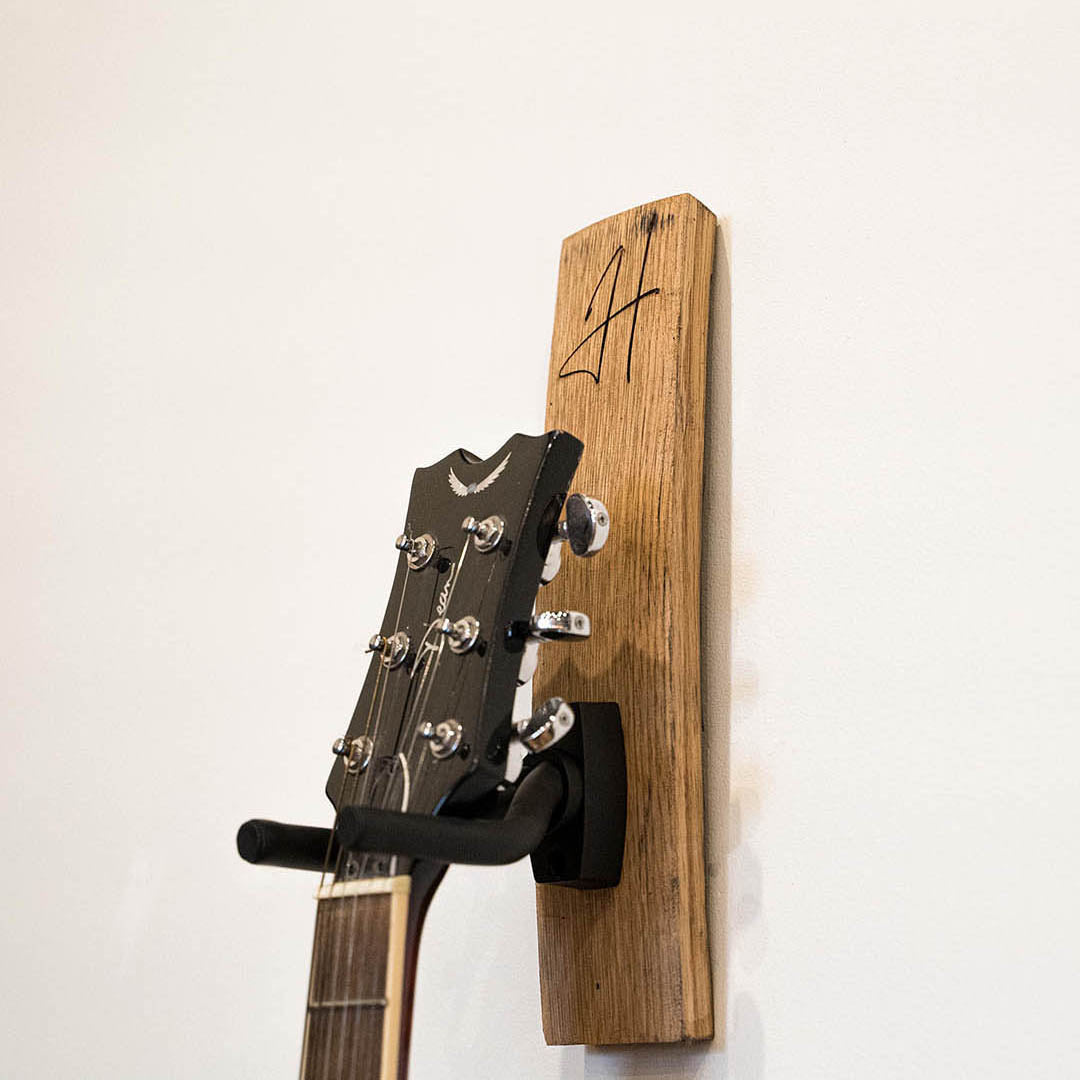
[(379, 1003), (331, 920), (353, 1015), (362, 1057)]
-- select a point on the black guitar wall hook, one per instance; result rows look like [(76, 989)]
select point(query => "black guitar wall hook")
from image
[(567, 810)]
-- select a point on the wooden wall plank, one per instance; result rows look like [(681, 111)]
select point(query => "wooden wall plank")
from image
[(628, 370)]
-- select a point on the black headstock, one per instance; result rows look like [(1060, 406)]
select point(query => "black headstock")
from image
[(432, 725)]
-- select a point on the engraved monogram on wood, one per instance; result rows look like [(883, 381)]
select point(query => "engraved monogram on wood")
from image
[(593, 365)]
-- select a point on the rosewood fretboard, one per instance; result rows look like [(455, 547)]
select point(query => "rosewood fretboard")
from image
[(356, 996)]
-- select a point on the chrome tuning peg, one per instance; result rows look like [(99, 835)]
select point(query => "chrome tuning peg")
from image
[(560, 626), (486, 534), (550, 626), (586, 525), (546, 726), (585, 528), (419, 550)]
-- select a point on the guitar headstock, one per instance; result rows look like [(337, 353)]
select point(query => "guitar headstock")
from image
[(432, 725)]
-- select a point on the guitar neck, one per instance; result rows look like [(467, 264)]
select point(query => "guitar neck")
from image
[(363, 967), (457, 634)]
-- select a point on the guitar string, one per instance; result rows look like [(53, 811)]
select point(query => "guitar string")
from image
[(338, 904), (454, 697), (409, 705), (405, 705), (319, 920), (417, 721), (413, 704), (321, 923), (334, 915), (459, 681), (347, 1018), (419, 702), (356, 900), (324, 921), (363, 904), (360, 785), (427, 679), (359, 903)]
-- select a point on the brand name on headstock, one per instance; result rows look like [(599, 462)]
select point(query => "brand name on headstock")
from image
[(444, 596)]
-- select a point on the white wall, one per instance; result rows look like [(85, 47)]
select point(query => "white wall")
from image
[(259, 260)]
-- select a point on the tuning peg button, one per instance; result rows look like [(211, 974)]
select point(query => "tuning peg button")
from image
[(585, 528), (546, 726), (549, 626), (560, 626)]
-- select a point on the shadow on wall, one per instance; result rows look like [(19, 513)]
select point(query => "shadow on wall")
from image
[(728, 857), (743, 1059)]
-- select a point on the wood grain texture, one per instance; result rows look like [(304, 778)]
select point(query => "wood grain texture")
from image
[(628, 371)]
